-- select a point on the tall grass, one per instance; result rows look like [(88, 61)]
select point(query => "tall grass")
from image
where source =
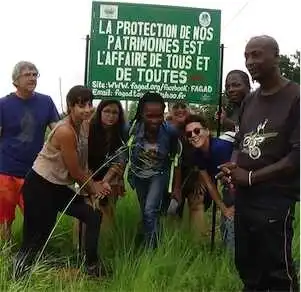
[(179, 264)]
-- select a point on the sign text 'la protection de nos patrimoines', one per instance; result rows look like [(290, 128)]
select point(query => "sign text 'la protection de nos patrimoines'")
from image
[(136, 48)]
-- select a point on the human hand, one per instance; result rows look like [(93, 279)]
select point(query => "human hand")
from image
[(233, 175), (228, 212), (222, 115), (240, 176), (173, 207), (102, 189), (177, 194), (225, 173)]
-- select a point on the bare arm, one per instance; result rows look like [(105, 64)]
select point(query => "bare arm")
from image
[(284, 167), (228, 124), (115, 170), (212, 189), (177, 193), (177, 178)]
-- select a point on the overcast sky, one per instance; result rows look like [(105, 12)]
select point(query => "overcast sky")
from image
[(51, 34)]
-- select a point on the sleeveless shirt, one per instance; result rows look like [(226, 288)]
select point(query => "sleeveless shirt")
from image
[(50, 163)]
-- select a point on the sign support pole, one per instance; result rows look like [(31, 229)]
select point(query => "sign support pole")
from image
[(81, 228), (87, 60), (218, 132)]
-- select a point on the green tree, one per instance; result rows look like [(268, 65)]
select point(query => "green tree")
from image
[(290, 66), (208, 112)]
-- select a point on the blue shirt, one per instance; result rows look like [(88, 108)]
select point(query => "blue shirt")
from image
[(220, 151), (149, 159), (23, 124)]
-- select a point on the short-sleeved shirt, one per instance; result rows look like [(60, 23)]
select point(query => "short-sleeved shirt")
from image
[(220, 151), (23, 124), (149, 159), (269, 131)]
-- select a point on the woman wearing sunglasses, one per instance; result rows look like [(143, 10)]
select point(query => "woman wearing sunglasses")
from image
[(192, 188), (209, 153)]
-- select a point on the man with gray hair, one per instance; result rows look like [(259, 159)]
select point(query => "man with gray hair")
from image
[(24, 117)]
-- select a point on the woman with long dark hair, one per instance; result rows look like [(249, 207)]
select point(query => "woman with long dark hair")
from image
[(106, 135)]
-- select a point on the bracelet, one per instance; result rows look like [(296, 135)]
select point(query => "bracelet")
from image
[(250, 177)]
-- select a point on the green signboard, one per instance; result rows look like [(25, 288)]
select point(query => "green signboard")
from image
[(136, 48)]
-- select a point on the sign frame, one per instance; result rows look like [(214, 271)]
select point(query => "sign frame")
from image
[(198, 98)]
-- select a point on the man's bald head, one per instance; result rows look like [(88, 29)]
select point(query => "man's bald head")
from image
[(268, 42), (262, 57)]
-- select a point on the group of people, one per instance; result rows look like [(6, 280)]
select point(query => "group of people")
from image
[(167, 161)]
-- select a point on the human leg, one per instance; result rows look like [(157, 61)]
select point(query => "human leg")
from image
[(245, 251), (108, 214), (227, 232), (39, 219), (152, 208), (197, 214), (141, 186), (263, 255), (276, 252), (86, 214)]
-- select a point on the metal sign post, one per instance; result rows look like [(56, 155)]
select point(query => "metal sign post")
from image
[(87, 60), (218, 134), (81, 228)]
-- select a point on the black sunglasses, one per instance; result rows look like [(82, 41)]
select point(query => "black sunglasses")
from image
[(196, 131)]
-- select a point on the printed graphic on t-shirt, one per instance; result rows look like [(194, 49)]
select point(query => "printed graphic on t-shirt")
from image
[(148, 156), (253, 141), (27, 127), (148, 161)]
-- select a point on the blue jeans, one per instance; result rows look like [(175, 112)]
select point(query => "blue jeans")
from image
[(150, 192), (227, 231), (227, 225)]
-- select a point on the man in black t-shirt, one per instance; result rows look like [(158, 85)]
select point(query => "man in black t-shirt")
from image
[(265, 172)]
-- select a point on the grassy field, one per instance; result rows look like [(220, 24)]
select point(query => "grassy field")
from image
[(179, 264)]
